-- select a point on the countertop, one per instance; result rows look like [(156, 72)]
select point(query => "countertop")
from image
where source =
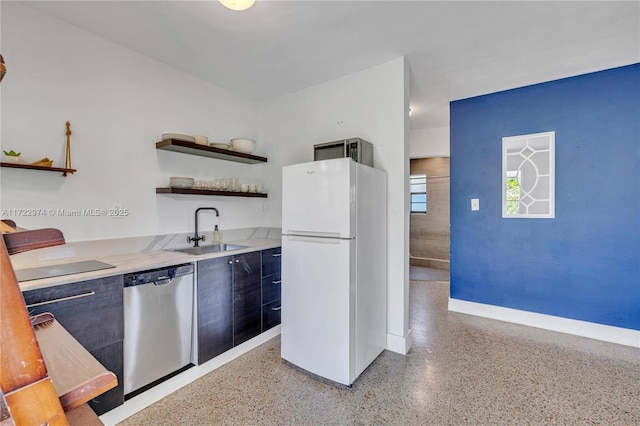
[(134, 254)]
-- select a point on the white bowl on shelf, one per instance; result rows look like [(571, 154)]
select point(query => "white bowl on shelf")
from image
[(181, 182), (201, 140), (13, 159), (245, 146), (220, 145), (178, 136)]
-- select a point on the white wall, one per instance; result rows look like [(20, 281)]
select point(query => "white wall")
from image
[(119, 103), (371, 104), (432, 142)]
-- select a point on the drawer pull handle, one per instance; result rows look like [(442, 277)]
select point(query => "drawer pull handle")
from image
[(62, 299), (276, 309), (277, 255), (276, 282)]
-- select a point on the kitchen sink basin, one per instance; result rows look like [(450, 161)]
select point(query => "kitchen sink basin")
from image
[(214, 248)]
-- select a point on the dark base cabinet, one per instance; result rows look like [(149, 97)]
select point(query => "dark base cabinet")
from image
[(93, 313), (271, 287), (215, 314), (236, 301)]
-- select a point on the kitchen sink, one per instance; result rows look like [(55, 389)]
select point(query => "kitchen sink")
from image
[(214, 248)]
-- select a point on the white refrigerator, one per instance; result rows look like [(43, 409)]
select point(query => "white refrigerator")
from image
[(334, 267)]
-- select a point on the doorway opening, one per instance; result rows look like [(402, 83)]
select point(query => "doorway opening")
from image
[(429, 234)]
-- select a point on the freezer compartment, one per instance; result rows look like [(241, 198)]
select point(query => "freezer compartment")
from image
[(319, 197)]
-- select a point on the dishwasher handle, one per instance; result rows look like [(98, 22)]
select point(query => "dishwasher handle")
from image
[(163, 281)]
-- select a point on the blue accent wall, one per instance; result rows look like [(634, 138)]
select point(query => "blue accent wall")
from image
[(585, 263)]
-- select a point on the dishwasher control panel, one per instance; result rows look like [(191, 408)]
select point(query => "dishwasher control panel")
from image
[(155, 275)]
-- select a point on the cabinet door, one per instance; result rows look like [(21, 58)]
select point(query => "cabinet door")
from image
[(247, 299), (215, 314), (93, 313)]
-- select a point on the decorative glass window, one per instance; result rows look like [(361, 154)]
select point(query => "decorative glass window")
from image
[(418, 186), (528, 176)]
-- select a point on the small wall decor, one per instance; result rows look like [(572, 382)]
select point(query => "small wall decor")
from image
[(3, 68), (67, 161), (528, 176)]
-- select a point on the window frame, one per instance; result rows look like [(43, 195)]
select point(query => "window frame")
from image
[(412, 184)]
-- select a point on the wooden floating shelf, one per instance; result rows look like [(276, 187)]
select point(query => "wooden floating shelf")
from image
[(208, 151), (33, 167), (193, 191)]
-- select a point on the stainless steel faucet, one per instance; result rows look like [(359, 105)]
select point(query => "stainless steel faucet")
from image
[(197, 238)]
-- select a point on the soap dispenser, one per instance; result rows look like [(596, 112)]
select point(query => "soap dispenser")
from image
[(216, 235)]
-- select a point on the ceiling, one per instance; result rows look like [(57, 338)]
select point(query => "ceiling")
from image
[(455, 49)]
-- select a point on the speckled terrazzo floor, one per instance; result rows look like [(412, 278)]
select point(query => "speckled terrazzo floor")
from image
[(461, 370)]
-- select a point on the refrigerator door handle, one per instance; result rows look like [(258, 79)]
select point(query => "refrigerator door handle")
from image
[(316, 237)]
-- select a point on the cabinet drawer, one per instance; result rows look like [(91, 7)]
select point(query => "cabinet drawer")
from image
[(271, 315), (271, 288), (271, 261), (91, 311)]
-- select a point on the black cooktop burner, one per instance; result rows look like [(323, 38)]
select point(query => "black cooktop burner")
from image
[(59, 270)]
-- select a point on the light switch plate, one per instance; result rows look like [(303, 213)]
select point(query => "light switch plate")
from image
[(475, 204)]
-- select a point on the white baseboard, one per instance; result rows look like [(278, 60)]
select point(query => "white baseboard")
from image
[(607, 333), (399, 344)]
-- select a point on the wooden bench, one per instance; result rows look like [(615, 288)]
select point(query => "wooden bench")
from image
[(46, 376)]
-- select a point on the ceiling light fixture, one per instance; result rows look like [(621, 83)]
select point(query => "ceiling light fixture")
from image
[(237, 4)]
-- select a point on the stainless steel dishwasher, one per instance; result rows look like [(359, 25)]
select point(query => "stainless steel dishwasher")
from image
[(158, 325)]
